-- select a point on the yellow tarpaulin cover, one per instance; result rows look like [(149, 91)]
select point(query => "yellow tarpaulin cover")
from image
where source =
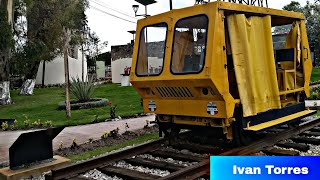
[(293, 41), (253, 56), (142, 66)]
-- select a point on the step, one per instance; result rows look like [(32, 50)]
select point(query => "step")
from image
[(282, 120)]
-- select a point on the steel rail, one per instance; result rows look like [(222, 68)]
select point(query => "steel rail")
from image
[(81, 167), (198, 170), (202, 168), (273, 139)]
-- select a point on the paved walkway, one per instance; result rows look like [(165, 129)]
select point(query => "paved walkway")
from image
[(80, 133)]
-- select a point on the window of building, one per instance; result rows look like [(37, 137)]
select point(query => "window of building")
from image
[(189, 45), (151, 50)]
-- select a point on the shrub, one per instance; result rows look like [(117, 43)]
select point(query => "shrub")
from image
[(82, 90), (315, 93), (15, 123), (48, 124), (4, 126), (37, 123), (105, 135), (60, 146), (74, 144), (27, 123), (113, 110), (114, 133)]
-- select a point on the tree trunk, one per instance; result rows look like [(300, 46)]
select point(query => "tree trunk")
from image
[(43, 73), (82, 64), (29, 79), (5, 52), (66, 70), (27, 87), (5, 98)]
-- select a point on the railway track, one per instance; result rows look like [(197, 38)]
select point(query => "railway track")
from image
[(186, 161)]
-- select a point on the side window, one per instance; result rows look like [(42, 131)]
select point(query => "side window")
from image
[(151, 50), (189, 45)]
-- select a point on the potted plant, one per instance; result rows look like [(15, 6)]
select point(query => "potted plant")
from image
[(125, 80)]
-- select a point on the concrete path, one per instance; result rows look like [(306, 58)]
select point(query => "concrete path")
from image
[(80, 133)]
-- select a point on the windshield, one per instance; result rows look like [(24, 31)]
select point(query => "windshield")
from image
[(189, 45), (151, 50)]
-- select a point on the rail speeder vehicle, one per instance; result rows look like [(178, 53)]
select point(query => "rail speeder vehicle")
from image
[(217, 67)]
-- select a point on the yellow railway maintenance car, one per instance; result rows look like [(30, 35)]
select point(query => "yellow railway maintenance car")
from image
[(214, 68)]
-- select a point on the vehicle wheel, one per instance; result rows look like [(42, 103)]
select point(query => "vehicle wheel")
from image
[(241, 137), (173, 135)]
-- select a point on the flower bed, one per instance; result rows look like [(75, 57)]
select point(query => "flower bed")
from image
[(93, 103)]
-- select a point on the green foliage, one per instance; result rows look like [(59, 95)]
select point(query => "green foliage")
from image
[(37, 124), (102, 150), (48, 124), (74, 144), (105, 135), (113, 110), (4, 126), (293, 6), (43, 105), (6, 38), (82, 90), (27, 124), (114, 133), (43, 39), (315, 93), (315, 76), (311, 12)]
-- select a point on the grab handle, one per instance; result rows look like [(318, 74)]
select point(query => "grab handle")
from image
[(307, 53)]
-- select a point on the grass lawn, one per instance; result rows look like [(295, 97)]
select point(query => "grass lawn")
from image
[(315, 74), (102, 150), (44, 103)]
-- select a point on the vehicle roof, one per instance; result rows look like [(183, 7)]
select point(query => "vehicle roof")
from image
[(279, 17)]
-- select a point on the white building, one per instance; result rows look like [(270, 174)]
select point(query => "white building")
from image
[(54, 70)]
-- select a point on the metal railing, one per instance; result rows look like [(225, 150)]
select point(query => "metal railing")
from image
[(261, 3)]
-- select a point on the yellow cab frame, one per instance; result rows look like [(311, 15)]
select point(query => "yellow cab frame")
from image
[(180, 99)]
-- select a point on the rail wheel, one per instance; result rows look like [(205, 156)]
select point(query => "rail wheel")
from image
[(240, 136)]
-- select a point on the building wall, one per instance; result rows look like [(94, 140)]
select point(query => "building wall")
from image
[(121, 57), (101, 69), (117, 68), (54, 72)]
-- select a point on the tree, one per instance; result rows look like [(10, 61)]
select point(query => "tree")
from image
[(6, 44), (311, 12), (93, 47), (71, 19), (293, 6), (52, 28)]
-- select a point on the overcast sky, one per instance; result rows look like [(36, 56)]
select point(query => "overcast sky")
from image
[(114, 30)]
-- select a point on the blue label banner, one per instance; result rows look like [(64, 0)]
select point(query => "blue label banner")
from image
[(264, 167)]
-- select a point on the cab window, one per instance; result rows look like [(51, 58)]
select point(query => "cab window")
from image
[(189, 45), (151, 50)]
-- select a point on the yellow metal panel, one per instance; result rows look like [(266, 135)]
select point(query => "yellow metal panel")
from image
[(306, 58), (280, 120), (185, 107), (252, 50), (259, 10)]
